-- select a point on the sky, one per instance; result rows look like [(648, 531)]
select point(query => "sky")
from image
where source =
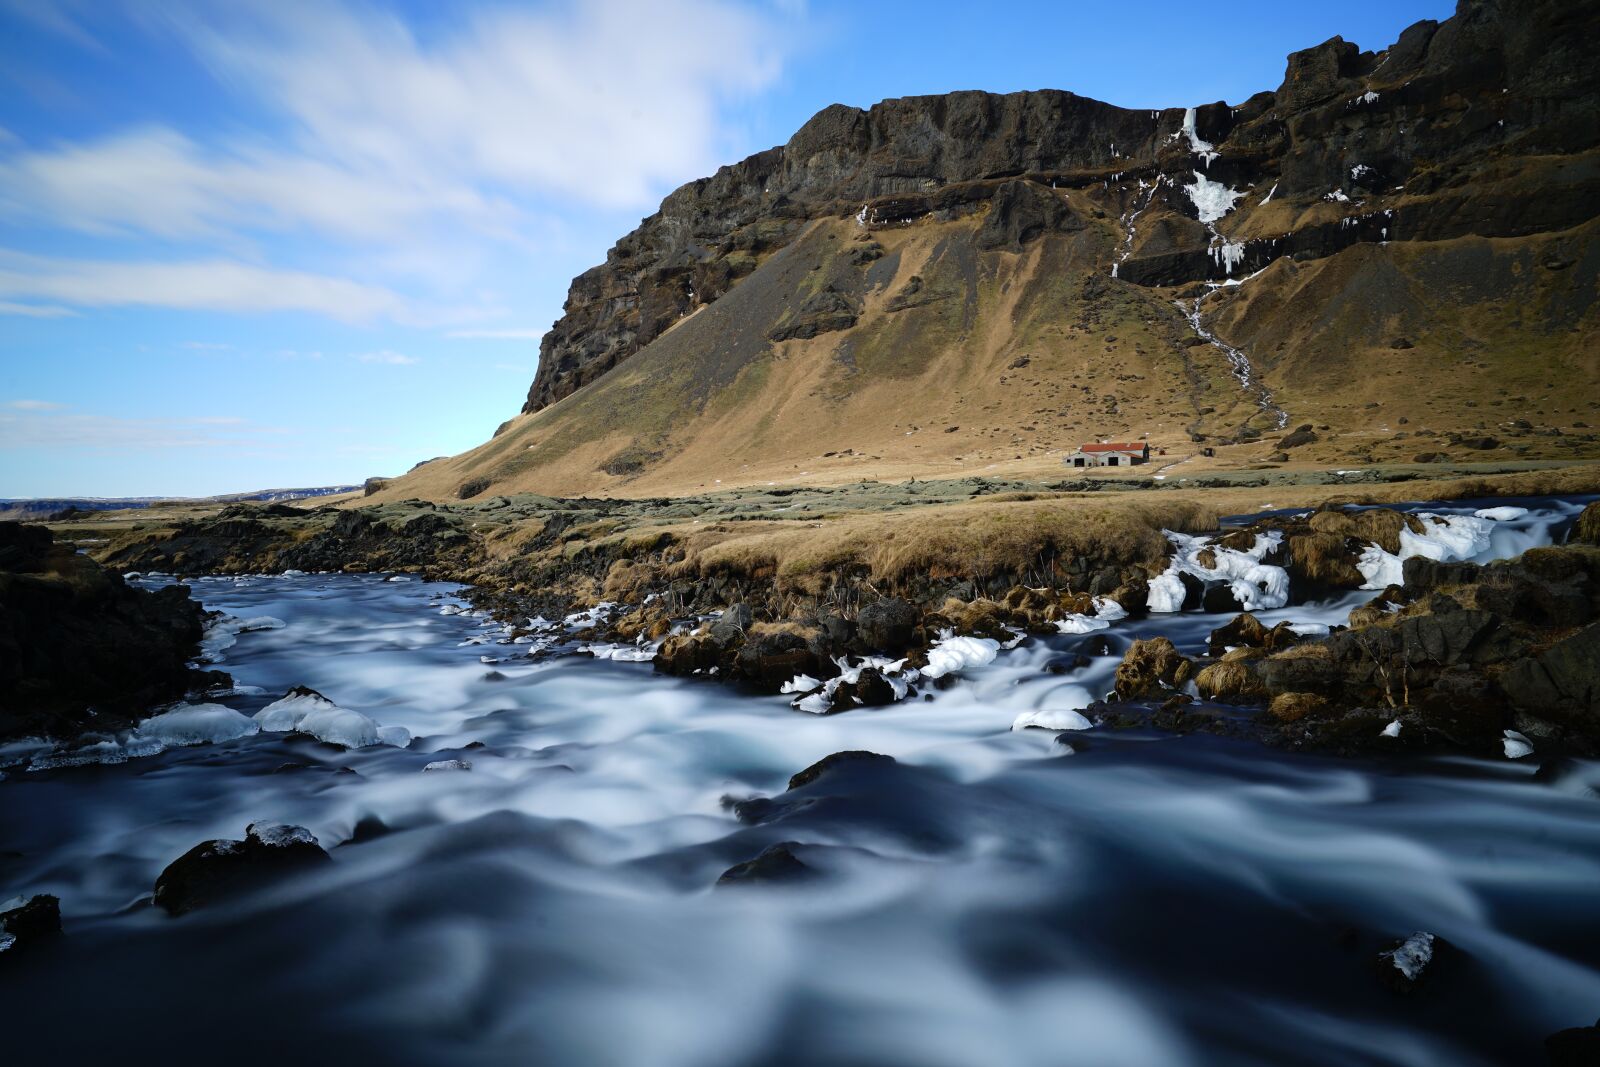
[(252, 244)]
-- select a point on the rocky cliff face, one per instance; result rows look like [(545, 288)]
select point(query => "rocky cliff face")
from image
[(1483, 125)]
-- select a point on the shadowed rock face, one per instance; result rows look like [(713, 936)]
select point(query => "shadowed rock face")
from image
[(79, 645), (1483, 124)]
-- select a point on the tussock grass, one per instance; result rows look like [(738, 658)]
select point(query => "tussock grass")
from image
[(973, 540)]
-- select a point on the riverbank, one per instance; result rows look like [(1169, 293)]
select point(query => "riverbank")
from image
[(805, 589)]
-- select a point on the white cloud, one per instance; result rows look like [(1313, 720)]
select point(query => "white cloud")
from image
[(36, 311), (207, 346), (600, 102), (518, 334), (378, 158), (208, 285), (395, 359), (154, 180), (34, 405)]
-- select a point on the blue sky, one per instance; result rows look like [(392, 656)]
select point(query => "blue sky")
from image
[(263, 243)]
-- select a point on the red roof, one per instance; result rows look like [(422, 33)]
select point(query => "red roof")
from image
[(1115, 446)]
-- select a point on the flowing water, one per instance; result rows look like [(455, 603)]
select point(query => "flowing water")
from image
[(1147, 899)]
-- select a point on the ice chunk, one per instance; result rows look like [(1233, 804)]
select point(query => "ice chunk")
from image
[(285, 714), (309, 712), (622, 653), (1392, 730), (340, 726), (394, 736), (800, 683), (1516, 745), (1256, 585), (448, 765), (281, 835), (1204, 149), (1446, 538), (1212, 200), (1504, 514), (1166, 592), (1414, 954), (1052, 719), (951, 654), (198, 724)]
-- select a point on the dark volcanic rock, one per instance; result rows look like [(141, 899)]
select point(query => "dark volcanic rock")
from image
[(27, 925), (838, 761), (1577, 1047), (215, 870), (777, 863), (888, 625), (78, 644)]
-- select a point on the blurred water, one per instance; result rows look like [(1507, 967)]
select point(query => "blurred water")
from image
[(1149, 900)]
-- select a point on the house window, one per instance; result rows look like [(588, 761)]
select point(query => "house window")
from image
[(1111, 461)]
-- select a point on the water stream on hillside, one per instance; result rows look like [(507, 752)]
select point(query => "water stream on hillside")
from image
[(1147, 900)]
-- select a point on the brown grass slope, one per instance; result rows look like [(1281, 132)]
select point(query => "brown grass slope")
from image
[(965, 359)]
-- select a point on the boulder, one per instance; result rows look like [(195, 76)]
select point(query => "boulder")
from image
[(838, 761), (685, 654), (888, 625), (1576, 1047), (28, 924), (773, 654), (1562, 683), (215, 870), (776, 863), (1151, 668), (730, 629)]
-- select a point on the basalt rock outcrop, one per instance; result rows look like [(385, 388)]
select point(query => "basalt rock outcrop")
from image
[(1483, 124), (80, 646), (1467, 653)]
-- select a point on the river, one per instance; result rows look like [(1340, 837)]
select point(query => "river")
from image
[(994, 898)]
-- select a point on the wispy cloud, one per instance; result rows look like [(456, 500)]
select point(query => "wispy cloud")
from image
[(207, 346), (208, 285), (72, 430), (36, 311), (394, 359), (407, 153), (34, 405), (514, 334)]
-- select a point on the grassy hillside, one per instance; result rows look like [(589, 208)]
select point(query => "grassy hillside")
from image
[(965, 359)]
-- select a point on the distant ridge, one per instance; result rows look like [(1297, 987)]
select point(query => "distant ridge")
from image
[(19, 508)]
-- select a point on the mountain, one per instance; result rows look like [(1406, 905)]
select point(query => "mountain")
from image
[(1391, 257), (36, 509)]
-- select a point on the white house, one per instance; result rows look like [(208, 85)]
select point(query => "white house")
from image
[(1109, 454)]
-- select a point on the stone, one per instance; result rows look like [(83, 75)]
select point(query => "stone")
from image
[(776, 863), (216, 870), (29, 924), (888, 625), (730, 629), (1151, 668), (1575, 1047), (854, 758)]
